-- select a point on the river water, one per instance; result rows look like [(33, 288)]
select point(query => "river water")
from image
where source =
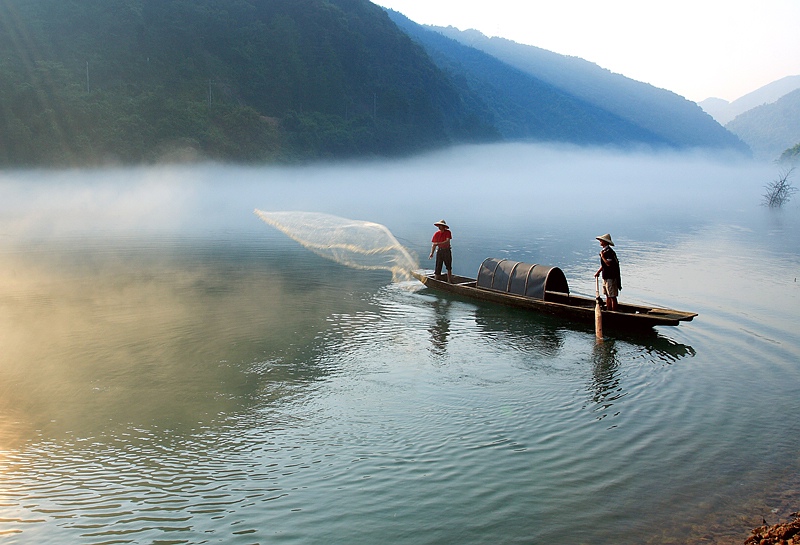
[(174, 370)]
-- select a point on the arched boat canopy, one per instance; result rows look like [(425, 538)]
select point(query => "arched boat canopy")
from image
[(521, 278)]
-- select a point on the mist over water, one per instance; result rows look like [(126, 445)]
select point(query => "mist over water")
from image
[(473, 182), (174, 368)]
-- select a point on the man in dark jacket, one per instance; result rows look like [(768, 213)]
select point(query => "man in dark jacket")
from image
[(609, 266)]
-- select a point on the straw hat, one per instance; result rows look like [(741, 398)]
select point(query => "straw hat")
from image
[(441, 223), (606, 238)]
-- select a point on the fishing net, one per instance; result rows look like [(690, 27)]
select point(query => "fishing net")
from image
[(354, 243)]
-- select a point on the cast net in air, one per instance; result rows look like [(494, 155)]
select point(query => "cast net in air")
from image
[(354, 243)]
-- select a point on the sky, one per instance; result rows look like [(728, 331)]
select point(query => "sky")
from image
[(696, 48)]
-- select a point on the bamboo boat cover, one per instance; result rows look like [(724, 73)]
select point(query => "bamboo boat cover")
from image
[(526, 279)]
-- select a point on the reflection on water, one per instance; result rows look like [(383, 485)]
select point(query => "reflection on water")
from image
[(539, 335), (544, 338), (173, 370), (440, 330), (605, 386)]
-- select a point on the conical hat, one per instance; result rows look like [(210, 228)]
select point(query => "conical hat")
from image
[(606, 238)]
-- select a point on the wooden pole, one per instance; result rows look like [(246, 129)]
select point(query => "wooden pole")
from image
[(598, 312)]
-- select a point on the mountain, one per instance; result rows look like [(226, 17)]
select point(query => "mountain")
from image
[(770, 129), (668, 116), (715, 107), (135, 80), (724, 111), (522, 106)]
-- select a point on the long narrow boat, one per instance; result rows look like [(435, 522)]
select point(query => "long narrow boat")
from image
[(545, 290)]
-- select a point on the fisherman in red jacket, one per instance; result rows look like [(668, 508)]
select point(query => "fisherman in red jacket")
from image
[(441, 245)]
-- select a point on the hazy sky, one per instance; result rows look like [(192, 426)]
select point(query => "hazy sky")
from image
[(696, 48)]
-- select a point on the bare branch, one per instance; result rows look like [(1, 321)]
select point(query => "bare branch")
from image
[(779, 191)]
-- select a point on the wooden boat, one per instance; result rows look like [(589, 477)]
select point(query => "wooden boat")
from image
[(545, 290)]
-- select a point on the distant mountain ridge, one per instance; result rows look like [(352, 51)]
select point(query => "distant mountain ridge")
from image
[(521, 106), (725, 112), (664, 114), (770, 129)]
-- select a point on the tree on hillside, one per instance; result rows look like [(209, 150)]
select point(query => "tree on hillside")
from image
[(791, 155)]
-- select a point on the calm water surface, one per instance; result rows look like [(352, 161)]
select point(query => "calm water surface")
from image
[(173, 370)]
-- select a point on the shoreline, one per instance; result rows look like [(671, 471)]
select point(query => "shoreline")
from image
[(781, 533)]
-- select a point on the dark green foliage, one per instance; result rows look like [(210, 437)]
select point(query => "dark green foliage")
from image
[(791, 155), (89, 81)]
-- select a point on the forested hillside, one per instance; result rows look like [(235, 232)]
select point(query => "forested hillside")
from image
[(90, 81)]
